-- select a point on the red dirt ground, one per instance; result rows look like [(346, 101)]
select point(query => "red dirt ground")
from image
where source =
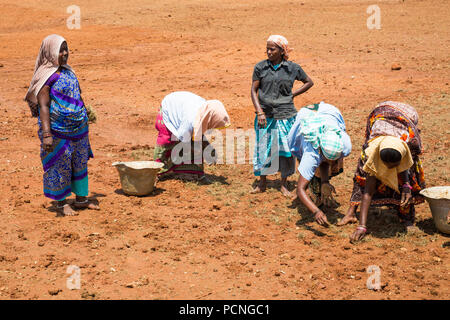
[(191, 241)]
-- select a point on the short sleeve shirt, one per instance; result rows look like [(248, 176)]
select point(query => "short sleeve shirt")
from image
[(310, 158), (275, 88)]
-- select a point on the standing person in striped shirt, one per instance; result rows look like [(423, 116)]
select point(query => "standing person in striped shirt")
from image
[(272, 97)]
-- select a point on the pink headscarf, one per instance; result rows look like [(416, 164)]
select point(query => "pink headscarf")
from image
[(282, 43), (212, 115), (46, 65)]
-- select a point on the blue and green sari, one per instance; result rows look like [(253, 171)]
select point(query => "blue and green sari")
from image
[(65, 168)]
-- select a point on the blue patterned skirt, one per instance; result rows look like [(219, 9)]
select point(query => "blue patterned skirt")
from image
[(271, 148), (65, 168)]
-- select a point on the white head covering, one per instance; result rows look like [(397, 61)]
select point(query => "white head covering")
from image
[(282, 43)]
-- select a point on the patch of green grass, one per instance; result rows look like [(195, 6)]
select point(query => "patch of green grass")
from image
[(378, 245), (256, 213), (275, 219), (421, 242), (367, 239), (343, 235), (191, 185), (315, 243), (142, 154)]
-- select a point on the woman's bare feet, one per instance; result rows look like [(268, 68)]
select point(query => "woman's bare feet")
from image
[(350, 216), (347, 219), (261, 187), (88, 205), (284, 189), (286, 192), (410, 227), (65, 210), (85, 204), (258, 189)]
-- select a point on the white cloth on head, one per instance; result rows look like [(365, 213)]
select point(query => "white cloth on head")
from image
[(179, 110)]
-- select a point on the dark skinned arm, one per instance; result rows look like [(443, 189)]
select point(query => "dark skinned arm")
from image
[(406, 192), (369, 190), (326, 188), (259, 111), (307, 84), (43, 98), (324, 169), (308, 203)]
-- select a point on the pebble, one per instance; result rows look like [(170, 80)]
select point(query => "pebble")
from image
[(437, 259), (54, 292), (395, 66)]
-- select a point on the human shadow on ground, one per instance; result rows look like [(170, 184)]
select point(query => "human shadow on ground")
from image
[(209, 179), (429, 227), (276, 185), (307, 217), (156, 191), (383, 222)]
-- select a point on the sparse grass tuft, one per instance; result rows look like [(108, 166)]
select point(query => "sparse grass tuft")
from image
[(315, 243), (301, 236), (142, 154)]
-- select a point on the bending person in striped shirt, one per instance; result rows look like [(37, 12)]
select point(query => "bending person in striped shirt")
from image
[(318, 139)]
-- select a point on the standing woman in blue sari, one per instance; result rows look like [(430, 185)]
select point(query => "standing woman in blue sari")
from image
[(54, 97), (272, 97)]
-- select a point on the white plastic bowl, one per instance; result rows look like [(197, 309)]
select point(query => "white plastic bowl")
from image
[(439, 200)]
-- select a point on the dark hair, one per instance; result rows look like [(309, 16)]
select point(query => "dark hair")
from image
[(390, 155)]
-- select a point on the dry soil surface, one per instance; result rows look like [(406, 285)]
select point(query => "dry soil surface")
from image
[(216, 241)]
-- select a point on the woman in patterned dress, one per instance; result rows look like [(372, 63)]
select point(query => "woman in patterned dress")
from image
[(389, 171), (54, 97)]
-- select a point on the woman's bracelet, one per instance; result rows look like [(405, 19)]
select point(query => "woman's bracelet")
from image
[(315, 212), (407, 185), (360, 227)]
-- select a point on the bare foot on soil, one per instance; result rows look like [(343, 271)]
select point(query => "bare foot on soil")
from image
[(66, 210), (258, 189), (411, 228), (286, 192), (86, 205), (347, 220)]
